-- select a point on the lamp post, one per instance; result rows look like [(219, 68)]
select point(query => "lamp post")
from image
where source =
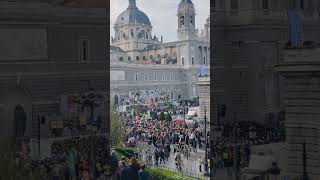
[(304, 160), (89, 102), (205, 137), (235, 149), (275, 170)]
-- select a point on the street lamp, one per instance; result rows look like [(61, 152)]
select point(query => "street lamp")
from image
[(252, 133), (235, 149), (304, 160), (274, 170), (205, 137), (90, 102)]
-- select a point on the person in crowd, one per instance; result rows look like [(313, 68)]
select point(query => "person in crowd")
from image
[(143, 174), (134, 168)]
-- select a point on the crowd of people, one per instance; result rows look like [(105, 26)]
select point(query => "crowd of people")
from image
[(127, 168), (70, 159), (161, 137)]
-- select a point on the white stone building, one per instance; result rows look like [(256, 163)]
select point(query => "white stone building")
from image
[(142, 61)]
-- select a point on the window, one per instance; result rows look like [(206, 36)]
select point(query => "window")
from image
[(265, 4), (129, 58), (155, 76), (136, 77), (137, 58), (171, 77), (163, 77), (234, 4), (146, 77), (151, 57), (159, 57), (132, 33), (182, 20), (171, 95), (144, 58), (121, 59), (84, 49), (192, 61), (204, 60), (301, 4), (182, 61)]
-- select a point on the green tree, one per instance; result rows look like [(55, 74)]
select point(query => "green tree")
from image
[(162, 116), (168, 117), (117, 129), (155, 116), (8, 167)]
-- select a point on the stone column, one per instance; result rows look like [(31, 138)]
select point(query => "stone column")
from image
[(204, 96), (301, 68)]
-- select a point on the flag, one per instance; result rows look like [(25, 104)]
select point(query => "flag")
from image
[(296, 28), (202, 70), (132, 114), (148, 117)]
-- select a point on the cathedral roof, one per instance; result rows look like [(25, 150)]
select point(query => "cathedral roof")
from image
[(132, 15), (186, 1), (115, 48), (152, 47)]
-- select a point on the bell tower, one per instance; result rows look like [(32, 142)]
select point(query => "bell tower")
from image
[(186, 20)]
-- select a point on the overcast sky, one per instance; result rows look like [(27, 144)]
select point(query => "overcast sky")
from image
[(162, 15)]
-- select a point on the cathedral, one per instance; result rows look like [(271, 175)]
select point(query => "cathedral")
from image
[(141, 61)]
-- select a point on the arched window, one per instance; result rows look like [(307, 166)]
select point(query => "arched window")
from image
[(20, 119), (301, 4), (129, 58), (265, 4), (137, 58), (174, 55), (234, 4), (116, 100), (171, 95), (182, 20), (163, 77), (84, 49)]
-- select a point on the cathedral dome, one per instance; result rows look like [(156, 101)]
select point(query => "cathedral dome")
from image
[(186, 1), (132, 15)]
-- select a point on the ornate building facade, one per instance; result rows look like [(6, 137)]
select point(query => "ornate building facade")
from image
[(142, 61), (249, 39), (48, 49)]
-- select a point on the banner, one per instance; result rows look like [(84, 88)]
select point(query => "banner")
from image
[(296, 28), (56, 124)]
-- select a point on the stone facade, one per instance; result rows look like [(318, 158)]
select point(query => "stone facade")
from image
[(58, 50), (301, 68), (248, 41), (204, 96)]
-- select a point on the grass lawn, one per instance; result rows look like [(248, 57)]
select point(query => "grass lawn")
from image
[(155, 173)]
